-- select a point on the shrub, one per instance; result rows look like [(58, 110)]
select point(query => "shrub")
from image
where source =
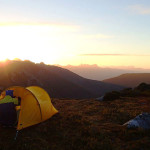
[(143, 87), (111, 96), (126, 92)]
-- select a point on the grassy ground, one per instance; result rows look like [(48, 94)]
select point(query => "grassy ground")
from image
[(84, 125)]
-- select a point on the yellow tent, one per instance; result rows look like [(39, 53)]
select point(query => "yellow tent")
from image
[(35, 105)]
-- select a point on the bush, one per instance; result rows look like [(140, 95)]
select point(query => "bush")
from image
[(143, 87), (111, 96), (141, 90), (126, 92)]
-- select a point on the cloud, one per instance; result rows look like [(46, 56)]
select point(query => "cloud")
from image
[(112, 55), (140, 9)]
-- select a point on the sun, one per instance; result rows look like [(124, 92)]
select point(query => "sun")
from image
[(29, 42), (4, 60)]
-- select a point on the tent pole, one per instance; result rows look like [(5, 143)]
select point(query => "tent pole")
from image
[(16, 135)]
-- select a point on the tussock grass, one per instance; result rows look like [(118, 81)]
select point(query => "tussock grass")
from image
[(84, 125)]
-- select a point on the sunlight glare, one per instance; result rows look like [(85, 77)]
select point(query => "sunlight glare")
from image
[(34, 42)]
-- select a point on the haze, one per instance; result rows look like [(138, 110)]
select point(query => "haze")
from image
[(101, 73)]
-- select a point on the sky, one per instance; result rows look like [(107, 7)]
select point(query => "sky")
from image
[(102, 32)]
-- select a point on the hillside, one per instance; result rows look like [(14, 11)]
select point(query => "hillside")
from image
[(58, 82), (130, 79), (84, 125)]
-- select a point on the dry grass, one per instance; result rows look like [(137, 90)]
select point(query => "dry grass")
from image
[(84, 125)]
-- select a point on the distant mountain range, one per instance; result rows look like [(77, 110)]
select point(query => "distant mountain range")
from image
[(57, 81), (130, 79), (101, 73)]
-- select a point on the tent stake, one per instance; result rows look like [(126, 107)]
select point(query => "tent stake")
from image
[(16, 135)]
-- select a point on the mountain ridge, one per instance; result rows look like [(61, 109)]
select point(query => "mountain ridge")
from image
[(129, 79), (57, 81), (101, 73)]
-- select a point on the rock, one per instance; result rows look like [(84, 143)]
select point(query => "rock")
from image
[(100, 98), (140, 121)]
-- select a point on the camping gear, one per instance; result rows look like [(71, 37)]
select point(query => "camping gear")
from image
[(9, 92), (8, 115), (141, 121), (35, 105), (9, 99)]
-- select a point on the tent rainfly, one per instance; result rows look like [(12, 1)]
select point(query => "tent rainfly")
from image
[(35, 105)]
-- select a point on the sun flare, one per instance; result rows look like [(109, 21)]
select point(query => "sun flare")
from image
[(33, 42)]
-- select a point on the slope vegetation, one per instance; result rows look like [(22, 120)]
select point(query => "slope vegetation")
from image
[(84, 125)]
